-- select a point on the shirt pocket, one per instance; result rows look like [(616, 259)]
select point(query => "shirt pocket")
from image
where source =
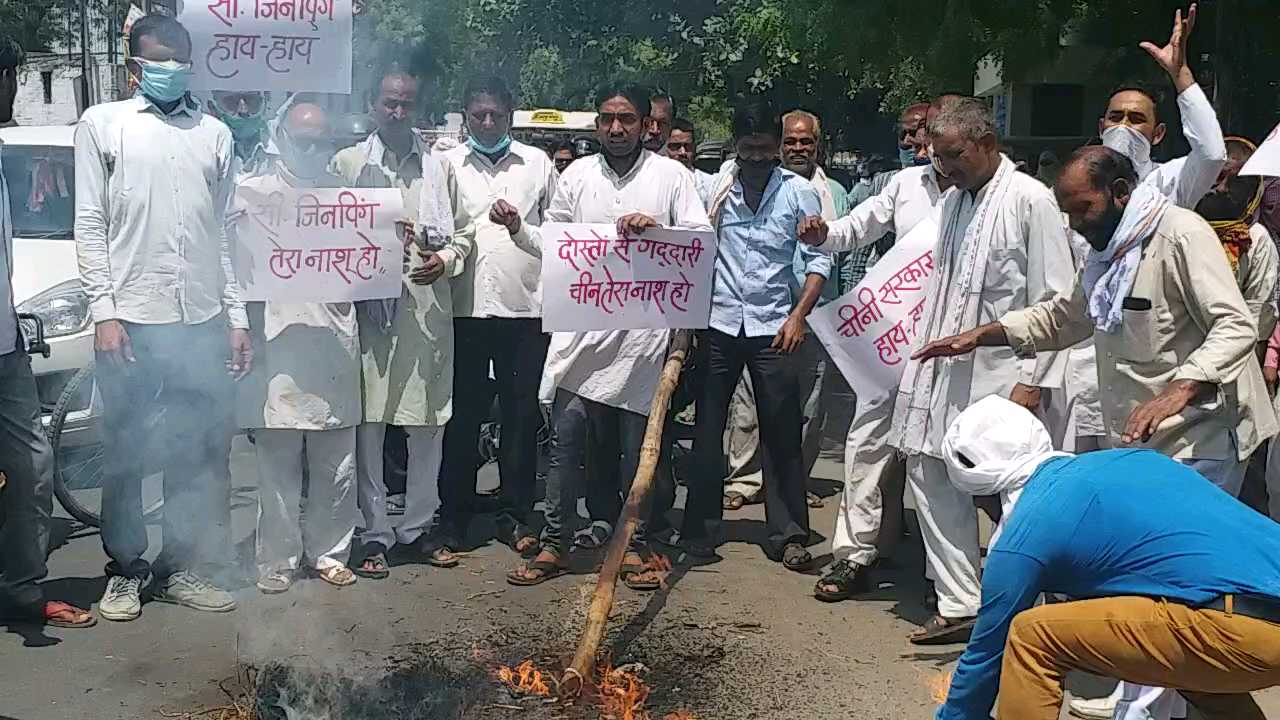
[(1140, 335), (1005, 276)]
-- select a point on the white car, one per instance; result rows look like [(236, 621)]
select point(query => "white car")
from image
[(39, 169)]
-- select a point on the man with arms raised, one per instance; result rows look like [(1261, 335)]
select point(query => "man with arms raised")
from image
[(604, 381)]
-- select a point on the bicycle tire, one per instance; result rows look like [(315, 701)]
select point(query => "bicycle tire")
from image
[(61, 490), (54, 434)]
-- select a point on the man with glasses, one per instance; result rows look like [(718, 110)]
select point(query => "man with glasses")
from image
[(26, 462), (153, 176)]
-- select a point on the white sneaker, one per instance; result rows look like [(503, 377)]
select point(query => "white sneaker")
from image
[(122, 600), (187, 589), (1103, 708)]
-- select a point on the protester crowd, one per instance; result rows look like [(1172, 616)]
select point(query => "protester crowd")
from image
[(1091, 336)]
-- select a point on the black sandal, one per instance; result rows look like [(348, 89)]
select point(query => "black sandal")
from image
[(379, 571), (733, 500), (594, 536), (796, 558), (943, 631), (849, 579), (547, 570)]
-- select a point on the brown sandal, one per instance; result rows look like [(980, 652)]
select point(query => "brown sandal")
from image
[(943, 631), (545, 569)]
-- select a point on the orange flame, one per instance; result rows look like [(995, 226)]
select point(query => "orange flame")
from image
[(524, 679), (622, 695), (938, 684)]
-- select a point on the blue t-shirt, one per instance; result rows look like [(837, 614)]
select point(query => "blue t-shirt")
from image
[(1107, 524)]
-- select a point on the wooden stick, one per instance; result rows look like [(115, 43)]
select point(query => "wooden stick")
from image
[(598, 616)]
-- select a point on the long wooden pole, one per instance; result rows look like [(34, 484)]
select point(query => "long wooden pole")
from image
[(602, 604)]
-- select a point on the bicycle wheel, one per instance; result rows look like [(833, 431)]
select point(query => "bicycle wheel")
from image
[(73, 434)]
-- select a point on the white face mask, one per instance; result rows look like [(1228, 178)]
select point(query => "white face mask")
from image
[(1132, 144)]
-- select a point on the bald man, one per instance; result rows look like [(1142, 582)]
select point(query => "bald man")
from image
[(302, 398)]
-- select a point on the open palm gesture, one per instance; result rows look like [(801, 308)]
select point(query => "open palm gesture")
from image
[(1173, 57)]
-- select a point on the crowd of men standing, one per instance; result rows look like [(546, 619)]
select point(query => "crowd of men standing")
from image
[(1128, 303)]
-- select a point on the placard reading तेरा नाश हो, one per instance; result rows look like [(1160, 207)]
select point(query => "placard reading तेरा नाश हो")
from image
[(295, 45), (319, 245), (592, 279), (870, 330)]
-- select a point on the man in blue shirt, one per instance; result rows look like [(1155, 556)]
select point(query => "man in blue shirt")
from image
[(1178, 583), (756, 324)]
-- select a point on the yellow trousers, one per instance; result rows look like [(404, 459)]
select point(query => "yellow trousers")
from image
[(1214, 658)]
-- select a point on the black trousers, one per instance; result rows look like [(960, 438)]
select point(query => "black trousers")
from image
[(776, 381), (27, 498), (517, 348), (173, 402)]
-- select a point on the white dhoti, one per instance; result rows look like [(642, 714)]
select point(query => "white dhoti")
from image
[(949, 528), (422, 488), (320, 530), (873, 480)]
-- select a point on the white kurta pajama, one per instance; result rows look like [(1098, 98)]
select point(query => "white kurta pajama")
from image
[(870, 464), (407, 377), (1001, 249), (302, 398)]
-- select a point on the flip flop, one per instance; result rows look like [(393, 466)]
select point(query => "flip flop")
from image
[(379, 571), (337, 576), (733, 500), (814, 500), (796, 558), (442, 557), (629, 572), (943, 631), (546, 571), (47, 615)]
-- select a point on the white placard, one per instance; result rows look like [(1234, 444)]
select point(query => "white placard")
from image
[(319, 245), (869, 330), (594, 280), (298, 45), (1266, 161)]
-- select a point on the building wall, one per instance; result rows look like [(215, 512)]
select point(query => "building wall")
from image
[(30, 107)]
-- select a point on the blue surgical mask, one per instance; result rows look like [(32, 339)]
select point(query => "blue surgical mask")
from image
[(499, 147), (164, 81), (906, 157)]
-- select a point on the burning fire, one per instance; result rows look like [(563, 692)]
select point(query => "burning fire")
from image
[(524, 679), (622, 695), (938, 684)]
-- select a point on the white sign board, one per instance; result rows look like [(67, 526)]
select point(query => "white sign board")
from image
[(594, 280), (1266, 161), (298, 45), (319, 245), (869, 330)]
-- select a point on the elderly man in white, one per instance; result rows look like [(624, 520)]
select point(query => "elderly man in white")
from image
[(1002, 246)]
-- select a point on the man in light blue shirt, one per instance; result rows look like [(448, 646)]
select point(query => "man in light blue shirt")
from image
[(756, 323)]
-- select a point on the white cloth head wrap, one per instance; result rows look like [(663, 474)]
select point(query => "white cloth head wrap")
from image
[(993, 448)]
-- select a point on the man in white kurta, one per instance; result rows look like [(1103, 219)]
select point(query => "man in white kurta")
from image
[(302, 397), (604, 380), (1002, 246), (911, 196), (407, 343)]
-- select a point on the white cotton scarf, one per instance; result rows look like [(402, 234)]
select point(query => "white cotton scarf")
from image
[(820, 183), (993, 448), (1109, 274), (1131, 144), (961, 262)]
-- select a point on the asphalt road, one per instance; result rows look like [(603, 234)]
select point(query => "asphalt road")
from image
[(742, 638)]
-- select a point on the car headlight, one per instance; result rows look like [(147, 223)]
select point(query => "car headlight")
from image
[(63, 308)]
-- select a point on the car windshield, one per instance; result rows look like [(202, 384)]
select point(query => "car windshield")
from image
[(42, 188)]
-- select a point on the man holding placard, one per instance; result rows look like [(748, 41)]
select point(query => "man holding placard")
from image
[(756, 323), (407, 342), (156, 267), (604, 380), (303, 396)]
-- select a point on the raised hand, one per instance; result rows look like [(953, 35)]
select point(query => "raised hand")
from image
[(1172, 58)]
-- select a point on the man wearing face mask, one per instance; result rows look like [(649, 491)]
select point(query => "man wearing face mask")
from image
[(497, 312), (910, 124), (407, 342), (243, 113), (758, 319), (1136, 536), (1130, 125), (303, 397), (801, 144), (874, 476), (156, 267)]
